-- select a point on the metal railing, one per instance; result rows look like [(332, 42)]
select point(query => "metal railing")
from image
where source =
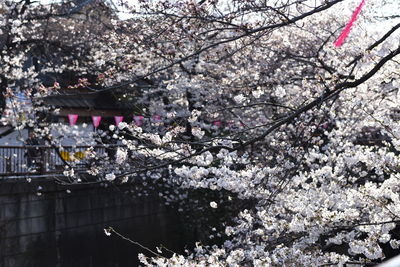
[(39, 159)]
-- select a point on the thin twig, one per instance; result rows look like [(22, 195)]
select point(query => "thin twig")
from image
[(111, 230)]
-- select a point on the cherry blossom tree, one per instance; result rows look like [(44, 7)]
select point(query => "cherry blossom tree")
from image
[(257, 105)]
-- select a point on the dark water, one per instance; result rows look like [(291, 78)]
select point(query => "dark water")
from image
[(64, 229)]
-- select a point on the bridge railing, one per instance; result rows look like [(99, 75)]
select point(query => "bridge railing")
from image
[(39, 159)]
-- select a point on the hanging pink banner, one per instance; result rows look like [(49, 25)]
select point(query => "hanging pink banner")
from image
[(118, 119), (96, 121), (138, 120), (72, 119), (346, 30)]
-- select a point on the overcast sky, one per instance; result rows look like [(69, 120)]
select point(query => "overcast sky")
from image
[(375, 12)]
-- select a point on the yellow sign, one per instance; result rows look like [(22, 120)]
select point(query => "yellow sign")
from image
[(67, 156)]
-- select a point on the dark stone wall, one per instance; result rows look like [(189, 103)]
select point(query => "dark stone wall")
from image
[(64, 229)]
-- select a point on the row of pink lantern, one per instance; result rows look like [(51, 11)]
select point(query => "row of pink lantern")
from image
[(118, 119), (138, 120)]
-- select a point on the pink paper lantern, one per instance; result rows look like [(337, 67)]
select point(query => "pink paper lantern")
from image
[(217, 123), (118, 119), (156, 118), (72, 119), (138, 120), (96, 121)]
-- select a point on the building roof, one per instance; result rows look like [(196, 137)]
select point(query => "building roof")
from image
[(92, 101)]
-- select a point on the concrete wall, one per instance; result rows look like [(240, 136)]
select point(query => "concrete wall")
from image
[(58, 228)]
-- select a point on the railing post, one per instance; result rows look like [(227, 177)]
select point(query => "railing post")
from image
[(8, 164), (43, 154)]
